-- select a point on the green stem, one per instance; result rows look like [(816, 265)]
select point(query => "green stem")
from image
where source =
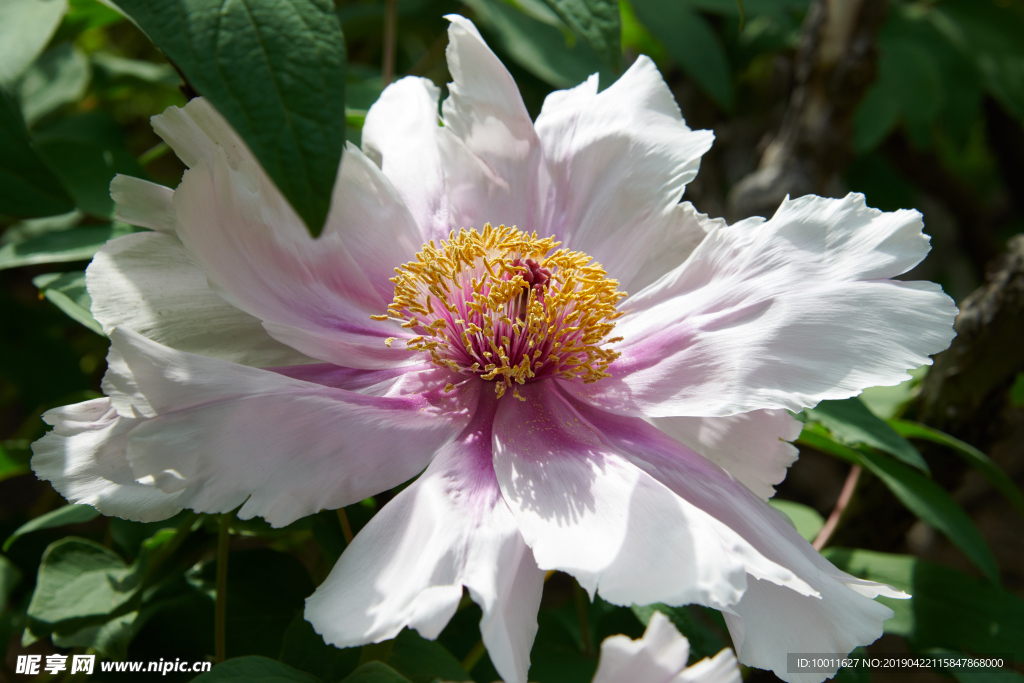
[(474, 656), (581, 615), (221, 607), (151, 155), (346, 528)]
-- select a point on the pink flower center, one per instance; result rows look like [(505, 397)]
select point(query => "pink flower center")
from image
[(500, 305)]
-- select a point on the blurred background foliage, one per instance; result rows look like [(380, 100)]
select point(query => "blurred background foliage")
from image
[(915, 103)]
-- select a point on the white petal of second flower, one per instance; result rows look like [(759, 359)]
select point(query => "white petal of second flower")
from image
[(447, 530), (753, 447), (223, 434)]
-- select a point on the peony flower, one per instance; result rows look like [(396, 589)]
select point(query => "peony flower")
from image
[(463, 317), (660, 656)]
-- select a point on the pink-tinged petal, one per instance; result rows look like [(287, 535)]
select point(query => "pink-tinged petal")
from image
[(400, 135), (660, 656), (372, 382), (753, 447), (772, 618), (313, 295), (223, 434), (447, 530), (618, 162), (84, 458), (145, 282), (780, 314), (489, 149), (586, 509), (140, 202)]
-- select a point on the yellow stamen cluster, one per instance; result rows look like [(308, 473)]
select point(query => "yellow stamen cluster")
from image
[(474, 311)]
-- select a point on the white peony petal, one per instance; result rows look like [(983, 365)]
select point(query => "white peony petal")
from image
[(753, 447), (314, 295), (197, 131), (447, 530), (223, 434), (671, 244), (84, 458), (489, 149), (400, 135), (660, 656), (772, 618), (771, 621), (586, 509), (780, 314), (140, 202), (146, 283), (618, 161)]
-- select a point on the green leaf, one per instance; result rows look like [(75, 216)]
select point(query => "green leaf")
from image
[(26, 26), (949, 609), (10, 576), (933, 506), (806, 520), (305, 649), (1017, 391), (116, 67), (424, 661), (852, 423), (76, 244), (254, 669), (375, 672), (86, 152), (963, 674), (537, 46), (81, 580), (60, 77), (817, 437), (596, 21), (975, 458), (27, 187), (275, 69), (10, 466), (692, 43), (109, 639), (62, 516), (67, 292)]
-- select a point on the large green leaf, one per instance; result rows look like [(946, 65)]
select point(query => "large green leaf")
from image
[(62, 516), (424, 661), (692, 43), (851, 423), (27, 187), (375, 672), (81, 580), (76, 244), (975, 458), (276, 70), (949, 609), (25, 28), (254, 669), (537, 46), (305, 649), (933, 506), (67, 292), (598, 22)]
